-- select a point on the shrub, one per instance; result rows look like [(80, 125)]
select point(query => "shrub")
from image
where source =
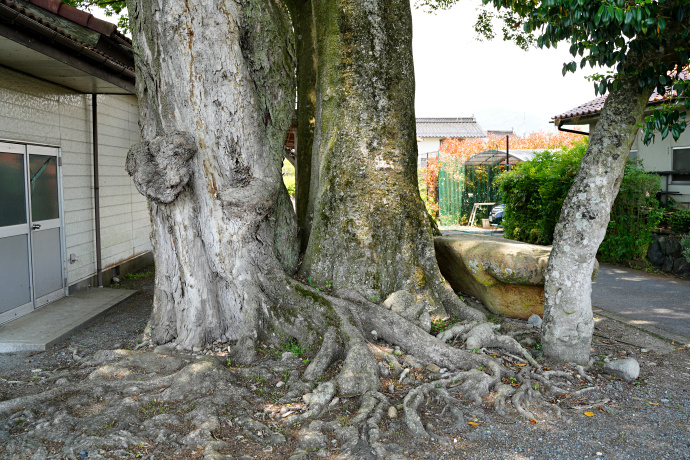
[(534, 193), (680, 221), (634, 216)]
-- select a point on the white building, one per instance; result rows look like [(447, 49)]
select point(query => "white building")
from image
[(66, 101), (668, 158), (432, 131)]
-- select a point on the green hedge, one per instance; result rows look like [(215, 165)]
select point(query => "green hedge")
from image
[(534, 193)]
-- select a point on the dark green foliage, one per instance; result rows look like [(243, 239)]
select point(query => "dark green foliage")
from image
[(634, 216), (534, 193), (680, 221)]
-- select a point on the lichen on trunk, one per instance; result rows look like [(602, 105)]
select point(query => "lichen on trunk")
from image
[(568, 321)]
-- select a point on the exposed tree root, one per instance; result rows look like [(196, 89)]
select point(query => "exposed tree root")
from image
[(348, 360)]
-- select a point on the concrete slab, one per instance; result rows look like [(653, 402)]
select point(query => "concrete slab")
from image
[(42, 328)]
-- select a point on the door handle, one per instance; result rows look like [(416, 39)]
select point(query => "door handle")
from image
[(36, 226)]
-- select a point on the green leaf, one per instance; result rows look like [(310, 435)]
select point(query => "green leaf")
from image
[(629, 15), (597, 17), (620, 15)]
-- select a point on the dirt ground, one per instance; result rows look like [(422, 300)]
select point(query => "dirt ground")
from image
[(646, 418)]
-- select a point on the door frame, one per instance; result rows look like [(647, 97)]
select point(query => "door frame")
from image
[(27, 149)]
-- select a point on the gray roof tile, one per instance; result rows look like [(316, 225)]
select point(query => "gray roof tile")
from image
[(449, 127)]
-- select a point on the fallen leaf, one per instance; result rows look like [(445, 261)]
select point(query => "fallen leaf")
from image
[(473, 423), (532, 421), (589, 414), (135, 397), (546, 368), (652, 404), (521, 364)]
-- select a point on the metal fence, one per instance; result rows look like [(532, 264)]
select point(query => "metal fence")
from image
[(462, 184)]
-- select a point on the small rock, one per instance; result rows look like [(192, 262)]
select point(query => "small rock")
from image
[(196, 349), (627, 369), (334, 402), (280, 384), (643, 350), (433, 368), (116, 280), (307, 398), (391, 388), (392, 412), (664, 400), (535, 320), (162, 350), (287, 355)]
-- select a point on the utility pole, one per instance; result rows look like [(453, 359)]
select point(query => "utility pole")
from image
[(507, 152)]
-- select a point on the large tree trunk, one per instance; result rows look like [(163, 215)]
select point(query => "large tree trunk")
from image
[(369, 229), (216, 91), (568, 322)]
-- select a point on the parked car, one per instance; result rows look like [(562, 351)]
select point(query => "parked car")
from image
[(496, 214)]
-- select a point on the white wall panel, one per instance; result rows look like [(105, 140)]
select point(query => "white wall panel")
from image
[(35, 111)]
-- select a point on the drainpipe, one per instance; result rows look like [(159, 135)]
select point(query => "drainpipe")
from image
[(96, 189)]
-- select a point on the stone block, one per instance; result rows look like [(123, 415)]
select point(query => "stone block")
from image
[(506, 276), (626, 369)]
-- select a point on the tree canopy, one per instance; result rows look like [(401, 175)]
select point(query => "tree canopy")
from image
[(605, 34)]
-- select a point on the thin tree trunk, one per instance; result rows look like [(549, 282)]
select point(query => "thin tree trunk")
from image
[(216, 91), (568, 322), (303, 23)]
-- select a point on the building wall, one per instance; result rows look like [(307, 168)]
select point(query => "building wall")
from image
[(35, 111), (428, 145), (658, 156)]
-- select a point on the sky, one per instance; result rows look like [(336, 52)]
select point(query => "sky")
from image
[(503, 86)]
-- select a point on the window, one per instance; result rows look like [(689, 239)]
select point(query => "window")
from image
[(681, 164), (632, 155)]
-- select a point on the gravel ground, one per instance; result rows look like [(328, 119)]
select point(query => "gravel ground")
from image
[(648, 418)]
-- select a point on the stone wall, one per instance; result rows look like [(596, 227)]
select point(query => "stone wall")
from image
[(665, 253)]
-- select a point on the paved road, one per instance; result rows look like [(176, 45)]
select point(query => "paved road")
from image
[(644, 298)]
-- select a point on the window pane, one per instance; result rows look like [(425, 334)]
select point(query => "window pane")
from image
[(12, 199), (44, 191), (681, 159)]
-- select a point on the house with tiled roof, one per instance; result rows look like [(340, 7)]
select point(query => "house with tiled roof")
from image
[(432, 131), (70, 216), (668, 158)]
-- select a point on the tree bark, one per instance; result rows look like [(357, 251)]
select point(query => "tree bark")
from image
[(303, 24), (568, 323), (216, 93), (370, 230)]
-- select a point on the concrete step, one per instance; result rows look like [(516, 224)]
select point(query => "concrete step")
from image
[(43, 328)]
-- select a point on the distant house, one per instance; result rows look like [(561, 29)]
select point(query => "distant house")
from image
[(66, 101), (668, 158), (432, 131)]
